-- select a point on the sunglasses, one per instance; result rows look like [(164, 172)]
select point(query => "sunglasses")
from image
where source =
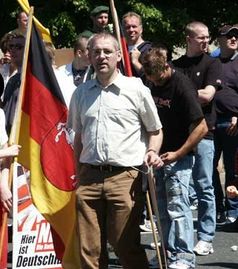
[(15, 46), (231, 34)]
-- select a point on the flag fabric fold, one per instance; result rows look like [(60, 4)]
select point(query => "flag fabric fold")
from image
[(47, 152)]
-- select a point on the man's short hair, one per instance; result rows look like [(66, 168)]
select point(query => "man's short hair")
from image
[(104, 35), (190, 28), (18, 15), (154, 61), (79, 41), (132, 14)]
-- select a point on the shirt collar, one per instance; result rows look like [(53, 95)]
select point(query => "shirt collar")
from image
[(118, 81)]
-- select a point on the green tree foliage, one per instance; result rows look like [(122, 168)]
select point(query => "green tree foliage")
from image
[(163, 20)]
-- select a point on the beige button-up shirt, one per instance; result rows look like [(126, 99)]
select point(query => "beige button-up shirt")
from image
[(113, 121)]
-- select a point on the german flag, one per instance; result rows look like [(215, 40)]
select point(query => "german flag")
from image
[(47, 152)]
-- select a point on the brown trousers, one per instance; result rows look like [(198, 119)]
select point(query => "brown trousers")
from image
[(109, 206)]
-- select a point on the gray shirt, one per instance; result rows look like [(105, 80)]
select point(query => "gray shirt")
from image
[(113, 121)]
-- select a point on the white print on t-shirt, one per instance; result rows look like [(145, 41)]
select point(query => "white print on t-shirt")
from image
[(160, 102)]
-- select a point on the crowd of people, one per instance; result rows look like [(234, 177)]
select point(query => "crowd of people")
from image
[(177, 115)]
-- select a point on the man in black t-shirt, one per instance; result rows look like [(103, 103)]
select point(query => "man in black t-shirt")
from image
[(183, 127), (205, 73)]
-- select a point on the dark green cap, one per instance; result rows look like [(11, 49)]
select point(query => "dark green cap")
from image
[(98, 10)]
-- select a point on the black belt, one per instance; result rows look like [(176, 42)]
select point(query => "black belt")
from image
[(112, 168)]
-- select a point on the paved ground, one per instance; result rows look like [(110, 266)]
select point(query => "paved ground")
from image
[(223, 256)]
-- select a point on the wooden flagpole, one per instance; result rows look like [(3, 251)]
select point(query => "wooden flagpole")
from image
[(156, 212), (116, 25), (15, 130), (155, 238)]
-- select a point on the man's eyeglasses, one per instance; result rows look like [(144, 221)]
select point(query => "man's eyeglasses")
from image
[(15, 46), (106, 52)]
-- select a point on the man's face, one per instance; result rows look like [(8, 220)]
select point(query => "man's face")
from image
[(22, 21), (229, 41), (16, 50), (104, 56), (199, 41), (101, 20), (133, 29), (160, 78), (82, 53)]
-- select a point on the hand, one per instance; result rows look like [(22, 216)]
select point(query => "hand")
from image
[(13, 150), (135, 55), (169, 157), (6, 59), (152, 159), (6, 198), (231, 192), (232, 129)]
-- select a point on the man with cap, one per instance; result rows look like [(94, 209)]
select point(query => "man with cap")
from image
[(100, 19), (226, 132)]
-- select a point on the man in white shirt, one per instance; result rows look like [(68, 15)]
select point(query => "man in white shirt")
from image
[(117, 128)]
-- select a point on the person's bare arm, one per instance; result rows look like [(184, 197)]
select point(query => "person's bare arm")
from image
[(5, 192), (154, 145), (206, 95)]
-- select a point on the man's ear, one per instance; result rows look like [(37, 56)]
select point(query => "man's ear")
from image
[(119, 56), (78, 52), (188, 39)]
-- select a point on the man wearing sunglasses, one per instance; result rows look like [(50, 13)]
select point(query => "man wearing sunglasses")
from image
[(226, 132), (15, 45)]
